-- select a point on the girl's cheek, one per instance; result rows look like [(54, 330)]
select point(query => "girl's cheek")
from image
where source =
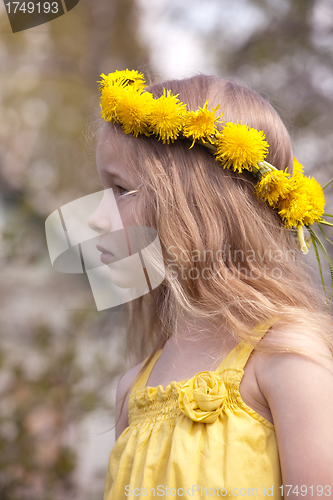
[(127, 213)]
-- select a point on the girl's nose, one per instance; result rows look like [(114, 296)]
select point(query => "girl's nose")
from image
[(99, 220), (99, 223), (106, 217)]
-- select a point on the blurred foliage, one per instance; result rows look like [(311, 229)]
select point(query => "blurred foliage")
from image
[(289, 60), (58, 363), (43, 395), (49, 115)]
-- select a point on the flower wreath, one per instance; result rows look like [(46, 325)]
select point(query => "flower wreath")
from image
[(299, 199)]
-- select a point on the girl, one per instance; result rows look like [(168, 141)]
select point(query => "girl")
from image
[(235, 397)]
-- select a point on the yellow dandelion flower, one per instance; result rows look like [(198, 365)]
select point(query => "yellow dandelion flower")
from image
[(201, 124), (133, 111), (293, 206), (273, 186), (241, 147), (166, 119), (292, 212), (110, 98), (316, 201), (125, 77), (304, 204), (297, 167)]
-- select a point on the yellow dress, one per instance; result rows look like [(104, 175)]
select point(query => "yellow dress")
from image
[(196, 439)]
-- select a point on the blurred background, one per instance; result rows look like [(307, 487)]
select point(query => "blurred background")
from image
[(59, 357)]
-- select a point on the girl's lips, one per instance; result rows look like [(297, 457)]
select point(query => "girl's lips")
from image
[(107, 257)]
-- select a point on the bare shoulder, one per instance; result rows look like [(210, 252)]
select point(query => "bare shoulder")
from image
[(122, 396), (297, 342), (294, 336), (305, 354), (299, 393), (126, 380)]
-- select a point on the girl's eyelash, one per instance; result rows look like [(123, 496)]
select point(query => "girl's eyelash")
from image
[(133, 191), (122, 189)]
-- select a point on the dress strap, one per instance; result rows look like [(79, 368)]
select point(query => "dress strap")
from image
[(238, 357), (143, 379)]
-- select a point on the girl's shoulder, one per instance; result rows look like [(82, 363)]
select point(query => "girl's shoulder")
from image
[(128, 378), (268, 374), (294, 338), (299, 350), (298, 387), (122, 396)]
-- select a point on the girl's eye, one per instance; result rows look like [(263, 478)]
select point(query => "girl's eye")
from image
[(121, 190)]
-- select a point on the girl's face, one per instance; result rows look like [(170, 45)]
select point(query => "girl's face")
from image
[(114, 174), (116, 211)]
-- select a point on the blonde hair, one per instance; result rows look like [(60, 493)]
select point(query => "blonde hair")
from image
[(199, 208)]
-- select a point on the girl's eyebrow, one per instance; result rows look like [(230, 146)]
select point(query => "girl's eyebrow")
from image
[(108, 173)]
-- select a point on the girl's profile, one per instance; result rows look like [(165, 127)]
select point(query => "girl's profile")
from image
[(233, 393)]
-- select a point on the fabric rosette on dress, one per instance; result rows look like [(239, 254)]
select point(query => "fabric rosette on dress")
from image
[(202, 397)]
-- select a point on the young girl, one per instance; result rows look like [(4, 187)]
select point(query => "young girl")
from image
[(235, 397)]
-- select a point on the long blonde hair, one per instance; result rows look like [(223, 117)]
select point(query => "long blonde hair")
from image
[(200, 209)]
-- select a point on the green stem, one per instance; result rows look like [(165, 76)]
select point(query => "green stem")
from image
[(207, 145), (328, 183), (316, 239), (314, 243), (324, 234), (325, 222), (266, 167)]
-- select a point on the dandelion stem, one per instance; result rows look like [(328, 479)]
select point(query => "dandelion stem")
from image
[(300, 233)]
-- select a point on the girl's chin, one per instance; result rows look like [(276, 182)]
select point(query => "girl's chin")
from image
[(127, 280)]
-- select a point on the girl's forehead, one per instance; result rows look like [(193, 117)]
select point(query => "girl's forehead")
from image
[(111, 154), (109, 148)]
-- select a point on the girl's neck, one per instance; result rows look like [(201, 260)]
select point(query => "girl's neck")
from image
[(194, 347), (200, 340)]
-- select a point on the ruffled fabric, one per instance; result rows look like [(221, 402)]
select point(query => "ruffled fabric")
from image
[(154, 404)]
